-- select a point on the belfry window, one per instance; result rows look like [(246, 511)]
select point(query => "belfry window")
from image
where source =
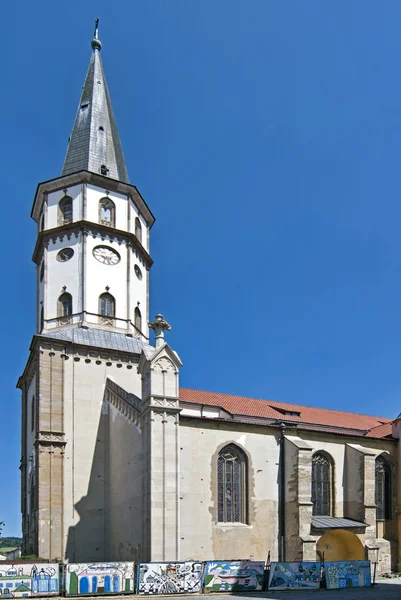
[(65, 211), (383, 489), (232, 485), (138, 318), (322, 484), (65, 305), (107, 211), (104, 170), (107, 308), (138, 229)]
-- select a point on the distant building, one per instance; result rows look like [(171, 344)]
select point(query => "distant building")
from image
[(118, 461)]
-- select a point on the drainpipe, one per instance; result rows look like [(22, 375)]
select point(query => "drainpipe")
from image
[(282, 495)]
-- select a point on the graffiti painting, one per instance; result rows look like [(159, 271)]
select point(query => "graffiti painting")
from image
[(99, 578), (170, 578), (294, 575), (234, 576), (347, 574), (27, 580)]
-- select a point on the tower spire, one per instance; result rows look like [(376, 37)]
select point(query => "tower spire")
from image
[(94, 143)]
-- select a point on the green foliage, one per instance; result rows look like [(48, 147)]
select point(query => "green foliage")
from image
[(9, 542), (1, 526)]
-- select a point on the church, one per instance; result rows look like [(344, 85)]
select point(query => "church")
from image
[(118, 462)]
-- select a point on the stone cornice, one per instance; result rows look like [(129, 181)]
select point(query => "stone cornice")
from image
[(60, 183), (90, 228)]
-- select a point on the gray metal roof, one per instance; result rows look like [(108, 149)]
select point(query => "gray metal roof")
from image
[(99, 338), (94, 139), (323, 522)]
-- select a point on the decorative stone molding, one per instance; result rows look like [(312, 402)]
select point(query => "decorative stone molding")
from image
[(51, 437)]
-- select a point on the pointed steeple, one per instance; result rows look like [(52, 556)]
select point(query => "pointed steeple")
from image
[(94, 143)]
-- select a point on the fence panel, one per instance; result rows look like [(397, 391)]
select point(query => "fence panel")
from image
[(29, 579), (99, 578), (294, 575), (234, 576), (170, 578), (347, 574)]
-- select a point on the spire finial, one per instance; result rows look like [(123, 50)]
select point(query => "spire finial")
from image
[(96, 44), (159, 326)]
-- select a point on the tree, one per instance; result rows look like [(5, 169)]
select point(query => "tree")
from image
[(1, 526)]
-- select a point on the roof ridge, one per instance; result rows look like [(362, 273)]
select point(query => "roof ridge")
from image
[(331, 410)]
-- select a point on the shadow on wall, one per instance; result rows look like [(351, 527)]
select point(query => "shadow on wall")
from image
[(107, 527)]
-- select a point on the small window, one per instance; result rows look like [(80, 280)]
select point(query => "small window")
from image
[(65, 211), (104, 170), (138, 229), (65, 305), (42, 271), (138, 272), (33, 413), (138, 319), (107, 309), (107, 212), (322, 484), (383, 489), (232, 485), (42, 222), (42, 319)]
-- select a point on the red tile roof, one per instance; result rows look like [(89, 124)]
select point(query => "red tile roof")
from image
[(268, 409)]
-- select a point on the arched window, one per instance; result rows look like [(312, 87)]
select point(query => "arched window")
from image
[(138, 319), (383, 489), (107, 309), (65, 305), (322, 484), (65, 210), (107, 212), (138, 229), (42, 319), (232, 485)]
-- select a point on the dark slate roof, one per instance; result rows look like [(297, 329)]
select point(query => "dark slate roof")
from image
[(99, 338), (335, 523), (90, 147)]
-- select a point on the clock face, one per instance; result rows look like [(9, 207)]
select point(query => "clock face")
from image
[(106, 255), (65, 254)]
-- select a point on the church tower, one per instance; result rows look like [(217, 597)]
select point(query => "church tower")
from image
[(82, 445)]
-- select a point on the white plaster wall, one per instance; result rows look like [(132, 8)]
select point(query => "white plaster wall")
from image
[(53, 198), (94, 194), (135, 213), (199, 445), (86, 429), (138, 291)]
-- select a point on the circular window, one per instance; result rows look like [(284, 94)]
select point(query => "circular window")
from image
[(138, 272), (106, 255), (65, 254)]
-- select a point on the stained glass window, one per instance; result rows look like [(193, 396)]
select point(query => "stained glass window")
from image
[(322, 484), (383, 489), (232, 485)]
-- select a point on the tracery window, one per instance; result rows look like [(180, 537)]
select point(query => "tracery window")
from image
[(232, 485), (138, 229), (138, 318), (383, 489), (107, 212), (65, 211), (107, 308), (322, 484)]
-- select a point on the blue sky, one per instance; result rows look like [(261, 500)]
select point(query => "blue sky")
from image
[(266, 138)]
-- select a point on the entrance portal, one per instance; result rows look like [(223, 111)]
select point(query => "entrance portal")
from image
[(340, 544)]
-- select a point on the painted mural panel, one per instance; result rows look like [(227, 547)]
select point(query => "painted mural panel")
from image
[(347, 574), (234, 576), (29, 579), (170, 578), (99, 578), (294, 576)]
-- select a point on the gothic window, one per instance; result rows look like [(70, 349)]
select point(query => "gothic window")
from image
[(138, 319), (107, 212), (65, 305), (65, 210), (383, 489), (107, 309), (138, 229), (322, 484), (232, 485)]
